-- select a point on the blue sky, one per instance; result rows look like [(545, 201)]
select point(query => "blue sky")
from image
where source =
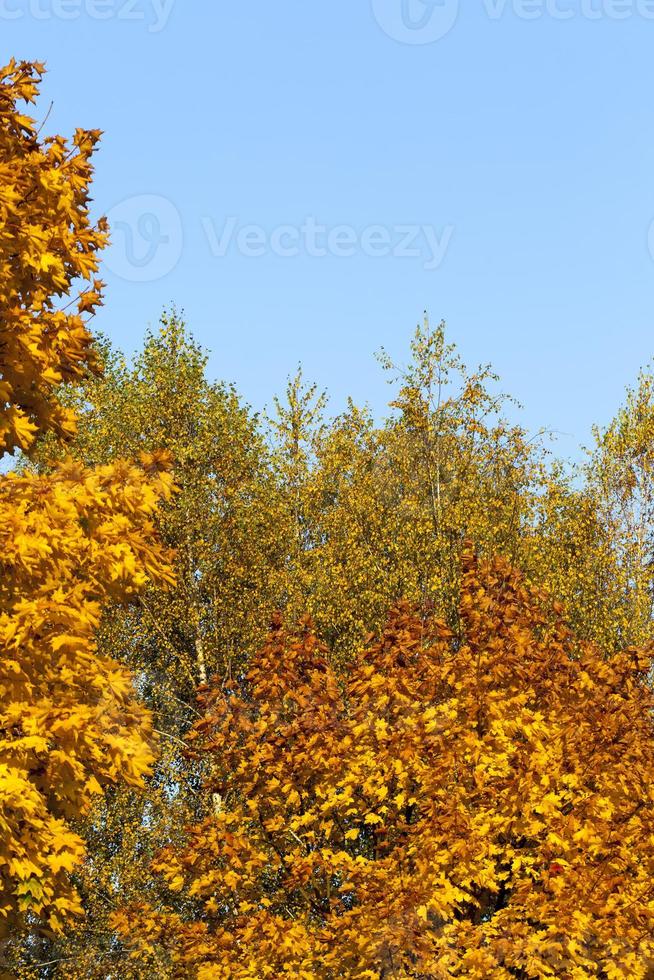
[(267, 167)]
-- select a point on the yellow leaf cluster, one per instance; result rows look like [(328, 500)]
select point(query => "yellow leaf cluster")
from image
[(69, 722), (72, 540), (473, 803), (48, 243), (339, 518)]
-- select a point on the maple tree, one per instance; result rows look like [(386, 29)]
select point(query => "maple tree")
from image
[(71, 541), (48, 244), (466, 796), (69, 720), (470, 802), (339, 517)]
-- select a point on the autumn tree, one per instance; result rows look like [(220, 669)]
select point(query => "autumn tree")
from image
[(473, 803), (386, 505), (390, 504), (69, 721), (341, 517), (224, 522), (70, 541), (48, 244), (229, 527), (620, 474)]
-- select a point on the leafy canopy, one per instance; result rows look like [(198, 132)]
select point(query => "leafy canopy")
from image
[(48, 244), (72, 540), (473, 803)]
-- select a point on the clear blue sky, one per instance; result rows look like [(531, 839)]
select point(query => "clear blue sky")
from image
[(524, 144)]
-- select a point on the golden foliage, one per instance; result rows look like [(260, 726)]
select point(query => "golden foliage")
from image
[(47, 244), (224, 525), (474, 804), (467, 796), (71, 541), (70, 725), (341, 518)]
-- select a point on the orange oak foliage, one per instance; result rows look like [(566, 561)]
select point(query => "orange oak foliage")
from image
[(476, 803), (47, 244)]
